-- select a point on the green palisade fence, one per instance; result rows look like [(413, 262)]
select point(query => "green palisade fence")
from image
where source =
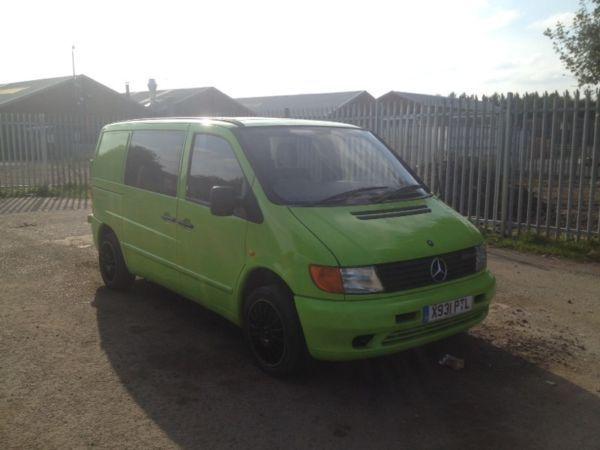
[(511, 163), (46, 154)]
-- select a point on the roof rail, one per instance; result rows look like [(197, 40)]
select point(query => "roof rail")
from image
[(220, 119), (228, 120)]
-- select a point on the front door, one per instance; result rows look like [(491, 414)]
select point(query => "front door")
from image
[(211, 248)]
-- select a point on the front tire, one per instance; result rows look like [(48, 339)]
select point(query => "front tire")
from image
[(273, 331), (112, 264)]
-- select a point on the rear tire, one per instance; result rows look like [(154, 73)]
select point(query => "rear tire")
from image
[(112, 264), (273, 331)]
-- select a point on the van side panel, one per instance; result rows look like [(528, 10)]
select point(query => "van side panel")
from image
[(150, 176), (107, 178), (149, 241)]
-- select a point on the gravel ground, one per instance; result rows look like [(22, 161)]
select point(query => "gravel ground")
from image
[(81, 366)]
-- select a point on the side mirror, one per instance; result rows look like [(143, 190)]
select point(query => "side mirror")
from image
[(222, 200)]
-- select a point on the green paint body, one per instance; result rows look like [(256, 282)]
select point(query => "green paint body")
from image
[(212, 262)]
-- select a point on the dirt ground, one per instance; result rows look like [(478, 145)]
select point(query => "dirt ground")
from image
[(81, 366)]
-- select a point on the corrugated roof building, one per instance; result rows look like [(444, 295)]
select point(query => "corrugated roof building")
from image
[(303, 105), (202, 101), (401, 99), (65, 95)]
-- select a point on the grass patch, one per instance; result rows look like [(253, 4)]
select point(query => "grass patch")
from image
[(70, 190), (582, 250)]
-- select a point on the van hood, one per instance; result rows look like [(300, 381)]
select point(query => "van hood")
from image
[(372, 234)]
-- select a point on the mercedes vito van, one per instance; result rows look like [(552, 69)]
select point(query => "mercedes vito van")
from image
[(312, 236)]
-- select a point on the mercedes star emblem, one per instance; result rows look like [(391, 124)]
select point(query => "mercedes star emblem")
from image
[(438, 270)]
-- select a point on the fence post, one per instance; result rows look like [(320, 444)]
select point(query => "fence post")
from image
[(377, 120), (551, 164), (594, 165), (522, 151), (572, 164), (582, 160), (448, 136), (5, 182), (504, 219)]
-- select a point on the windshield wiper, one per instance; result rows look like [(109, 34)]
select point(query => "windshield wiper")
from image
[(398, 193), (348, 194)]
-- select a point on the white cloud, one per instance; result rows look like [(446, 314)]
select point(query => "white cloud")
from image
[(501, 19), (550, 21)]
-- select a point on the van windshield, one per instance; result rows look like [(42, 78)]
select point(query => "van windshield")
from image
[(302, 165)]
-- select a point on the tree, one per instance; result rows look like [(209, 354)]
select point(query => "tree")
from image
[(578, 45)]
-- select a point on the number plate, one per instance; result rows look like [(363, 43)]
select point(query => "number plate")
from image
[(444, 310)]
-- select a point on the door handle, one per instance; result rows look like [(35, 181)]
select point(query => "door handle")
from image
[(186, 224), (168, 218)]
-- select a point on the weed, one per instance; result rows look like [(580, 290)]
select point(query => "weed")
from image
[(581, 250), (70, 190)]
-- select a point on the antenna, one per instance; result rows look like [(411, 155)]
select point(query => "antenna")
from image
[(73, 58)]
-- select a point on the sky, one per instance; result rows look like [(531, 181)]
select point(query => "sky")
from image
[(272, 47)]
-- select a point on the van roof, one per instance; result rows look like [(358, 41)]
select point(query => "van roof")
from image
[(227, 122)]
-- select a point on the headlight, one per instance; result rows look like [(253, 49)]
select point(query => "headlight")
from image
[(361, 280), (350, 280), (480, 258)]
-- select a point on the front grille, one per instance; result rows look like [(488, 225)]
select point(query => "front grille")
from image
[(404, 275), (433, 327)]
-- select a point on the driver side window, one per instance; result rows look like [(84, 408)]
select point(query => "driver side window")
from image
[(213, 163)]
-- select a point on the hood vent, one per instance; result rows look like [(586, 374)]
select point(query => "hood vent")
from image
[(396, 212)]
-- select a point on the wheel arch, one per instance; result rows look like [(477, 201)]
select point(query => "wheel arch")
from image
[(103, 230), (255, 278)]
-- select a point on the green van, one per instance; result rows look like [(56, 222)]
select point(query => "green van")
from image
[(312, 236)]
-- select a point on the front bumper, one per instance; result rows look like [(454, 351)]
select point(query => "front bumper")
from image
[(395, 321)]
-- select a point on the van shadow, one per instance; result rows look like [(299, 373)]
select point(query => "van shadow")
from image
[(191, 373)]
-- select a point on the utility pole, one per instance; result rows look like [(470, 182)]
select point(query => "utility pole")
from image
[(73, 58)]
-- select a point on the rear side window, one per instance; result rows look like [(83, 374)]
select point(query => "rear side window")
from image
[(108, 163), (153, 160), (213, 164)]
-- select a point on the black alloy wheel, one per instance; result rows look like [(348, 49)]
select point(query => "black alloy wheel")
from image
[(273, 331), (112, 264), (108, 261), (266, 331)]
